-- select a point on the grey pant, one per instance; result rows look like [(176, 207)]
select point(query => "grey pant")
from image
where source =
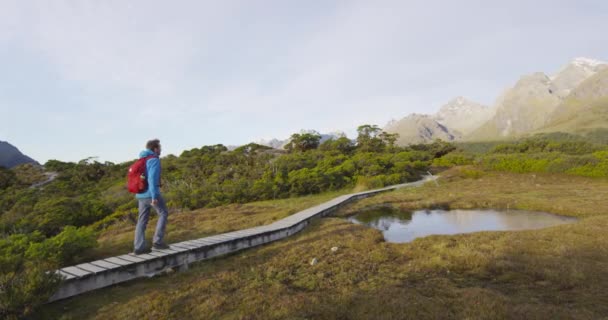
[(142, 222)]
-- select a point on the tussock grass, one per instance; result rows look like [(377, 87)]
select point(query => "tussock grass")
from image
[(554, 273)]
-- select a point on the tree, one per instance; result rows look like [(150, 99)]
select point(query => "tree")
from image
[(343, 145), (7, 178), (389, 139), (303, 141), (368, 139)]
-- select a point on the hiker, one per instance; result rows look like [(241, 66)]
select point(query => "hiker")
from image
[(151, 198)]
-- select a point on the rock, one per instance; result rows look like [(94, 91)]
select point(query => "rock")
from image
[(334, 249)]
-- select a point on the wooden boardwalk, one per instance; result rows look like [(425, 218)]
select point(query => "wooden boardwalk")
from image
[(106, 272)]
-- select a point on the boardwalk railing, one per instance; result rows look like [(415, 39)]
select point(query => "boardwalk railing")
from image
[(106, 272)]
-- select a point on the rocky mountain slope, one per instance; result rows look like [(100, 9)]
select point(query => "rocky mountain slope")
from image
[(420, 128), (463, 115)]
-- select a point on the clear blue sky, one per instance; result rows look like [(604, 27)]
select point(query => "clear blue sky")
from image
[(99, 78)]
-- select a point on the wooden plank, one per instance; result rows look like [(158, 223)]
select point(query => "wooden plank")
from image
[(241, 233), (182, 246), (159, 254), (168, 251), (202, 242), (165, 251), (178, 248), (119, 261), (105, 264), (131, 258), (76, 271), (90, 267), (217, 239), (191, 245), (225, 236), (65, 275), (210, 240), (146, 256)]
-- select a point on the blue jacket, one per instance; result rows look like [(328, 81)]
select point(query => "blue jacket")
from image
[(153, 174)]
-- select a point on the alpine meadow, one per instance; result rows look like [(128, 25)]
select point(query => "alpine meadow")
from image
[(320, 160)]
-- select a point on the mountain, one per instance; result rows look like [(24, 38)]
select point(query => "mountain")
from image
[(585, 109), (463, 115), (273, 143), (457, 117), (522, 108), (575, 73), (420, 128), (10, 156), (536, 100)]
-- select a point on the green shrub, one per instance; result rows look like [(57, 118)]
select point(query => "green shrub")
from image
[(65, 248), (24, 281), (454, 159), (598, 168)]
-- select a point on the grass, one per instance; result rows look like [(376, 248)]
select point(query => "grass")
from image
[(554, 273)]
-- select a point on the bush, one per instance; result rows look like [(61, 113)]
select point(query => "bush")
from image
[(21, 291), (598, 168), (24, 281), (454, 159), (64, 248)]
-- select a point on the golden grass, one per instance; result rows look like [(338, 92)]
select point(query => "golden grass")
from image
[(554, 273)]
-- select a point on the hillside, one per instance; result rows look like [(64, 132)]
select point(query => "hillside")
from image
[(520, 109), (584, 110)]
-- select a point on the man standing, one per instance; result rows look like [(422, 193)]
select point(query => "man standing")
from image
[(151, 198)]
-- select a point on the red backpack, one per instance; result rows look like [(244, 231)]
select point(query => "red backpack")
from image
[(137, 181)]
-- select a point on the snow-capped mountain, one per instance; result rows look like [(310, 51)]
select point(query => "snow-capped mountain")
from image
[(574, 73)]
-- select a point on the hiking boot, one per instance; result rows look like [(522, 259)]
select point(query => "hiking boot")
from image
[(142, 251), (160, 246)]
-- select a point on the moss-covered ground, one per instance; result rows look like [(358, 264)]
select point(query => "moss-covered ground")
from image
[(554, 273)]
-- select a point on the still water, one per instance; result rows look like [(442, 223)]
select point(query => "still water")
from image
[(399, 226)]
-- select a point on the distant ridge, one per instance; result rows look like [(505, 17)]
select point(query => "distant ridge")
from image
[(420, 128), (10, 156), (541, 102), (573, 100)]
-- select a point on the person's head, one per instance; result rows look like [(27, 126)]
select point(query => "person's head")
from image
[(153, 145)]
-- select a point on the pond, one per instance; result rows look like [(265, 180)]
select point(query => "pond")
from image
[(401, 226)]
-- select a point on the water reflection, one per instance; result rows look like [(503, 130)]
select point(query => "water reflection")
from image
[(400, 226)]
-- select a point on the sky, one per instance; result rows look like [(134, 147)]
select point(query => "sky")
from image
[(83, 79)]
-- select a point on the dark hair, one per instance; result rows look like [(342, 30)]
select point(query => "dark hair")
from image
[(153, 144)]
